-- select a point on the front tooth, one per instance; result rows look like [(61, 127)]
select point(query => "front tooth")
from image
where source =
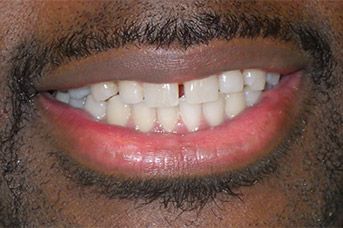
[(144, 117), (79, 93), (161, 95), (95, 108), (77, 103), (168, 117), (103, 91), (201, 91), (130, 92), (190, 114), (255, 79), (118, 113), (273, 79), (231, 82), (63, 97), (251, 96), (214, 112), (234, 104)]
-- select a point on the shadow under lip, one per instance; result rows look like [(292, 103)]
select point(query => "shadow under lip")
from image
[(149, 64)]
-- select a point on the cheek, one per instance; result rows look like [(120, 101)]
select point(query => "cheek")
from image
[(53, 192), (290, 196)]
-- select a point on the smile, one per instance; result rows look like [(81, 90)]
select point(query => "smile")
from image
[(223, 121), (172, 107)]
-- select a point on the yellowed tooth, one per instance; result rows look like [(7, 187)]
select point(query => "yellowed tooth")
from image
[(190, 114), (95, 108), (234, 104), (168, 117), (104, 90), (251, 96), (130, 92), (231, 81), (202, 90), (144, 117), (214, 111), (161, 95), (255, 79), (118, 113)]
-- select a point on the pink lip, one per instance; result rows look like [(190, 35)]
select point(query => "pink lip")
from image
[(121, 151)]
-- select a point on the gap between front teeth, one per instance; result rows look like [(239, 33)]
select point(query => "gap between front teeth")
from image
[(157, 107)]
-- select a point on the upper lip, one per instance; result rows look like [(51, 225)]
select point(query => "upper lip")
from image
[(149, 64)]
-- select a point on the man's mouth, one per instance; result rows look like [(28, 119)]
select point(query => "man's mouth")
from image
[(140, 139), (204, 124)]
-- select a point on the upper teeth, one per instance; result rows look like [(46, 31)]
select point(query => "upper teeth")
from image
[(202, 91), (161, 95), (149, 105)]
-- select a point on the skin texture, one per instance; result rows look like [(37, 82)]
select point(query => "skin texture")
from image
[(306, 189)]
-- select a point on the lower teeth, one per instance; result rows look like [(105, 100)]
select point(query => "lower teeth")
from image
[(151, 107)]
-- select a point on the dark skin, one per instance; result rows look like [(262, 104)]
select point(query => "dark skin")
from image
[(305, 190)]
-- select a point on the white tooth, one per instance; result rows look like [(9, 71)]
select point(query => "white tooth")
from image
[(190, 114), (255, 79), (161, 95), (103, 91), (273, 79), (118, 113), (144, 117), (130, 92), (77, 103), (62, 97), (201, 91), (214, 111), (79, 93), (168, 117), (251, 96), (95, 108), (231, 82), (234, 104)]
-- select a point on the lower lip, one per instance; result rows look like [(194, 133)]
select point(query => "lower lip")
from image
[(121, 151)]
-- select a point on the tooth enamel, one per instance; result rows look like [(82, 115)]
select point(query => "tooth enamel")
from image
[(208, 101), (168, 117), (130, 92), (161, 95), (190, 114), (255, 79), (95, 108), (251, 96), (79, 93), (77, 103), (231, 82), (201, 91), (144, 117), (214, 112), (103, 91), (63, 97), (234, 104), (273, 79), (118, 113)]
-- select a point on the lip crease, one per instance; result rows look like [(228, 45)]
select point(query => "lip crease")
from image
[(122, 151)]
